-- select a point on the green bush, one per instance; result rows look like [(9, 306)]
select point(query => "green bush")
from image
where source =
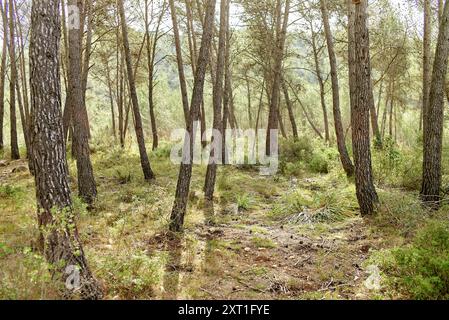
[(319, 163), (292, 153), (422, 269)]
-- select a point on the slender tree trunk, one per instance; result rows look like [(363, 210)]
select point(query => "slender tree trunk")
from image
[(22, 68), (216, 150), (321, 84), (384, 117), (433, 128), (60, 238), (3, 71), (145, 162), (427, 67), (249, 106), (185, 171), (291, 114), (86, 182), (341, 144), (111, 98), (24, 114), (281, 33), (121, 93), (179, 60), (306, 114), (151, 56), (227, 90), (12, 87), (390, 128), (359, 41)]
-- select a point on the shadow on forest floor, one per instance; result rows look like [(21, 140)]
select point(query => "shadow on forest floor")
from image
[(265, 238)]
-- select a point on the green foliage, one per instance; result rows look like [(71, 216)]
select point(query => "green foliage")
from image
[(421, 270), (131, 275), (401, 167), (294, 152), (10, 192), (244, 202), (163, 151)]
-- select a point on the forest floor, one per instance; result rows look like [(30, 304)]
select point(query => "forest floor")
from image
[(267, 237)]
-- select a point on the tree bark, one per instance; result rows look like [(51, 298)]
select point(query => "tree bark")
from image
[(433, 128), (291, 114), (185, 171), (145, 162), (179, 60), (427, 66), (211, 173), (341, 144), (281, 33), (76, 103), (360, 110), (321, 84), (12, 86), (59, 234), (3, 71), (151, 56)]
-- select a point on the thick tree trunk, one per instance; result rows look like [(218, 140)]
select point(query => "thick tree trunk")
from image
[(145, 162), (360, 112), (185, 172), (341, 144), (12, 86), (62, 246), (75, 101), (433, 128), (211, 173)]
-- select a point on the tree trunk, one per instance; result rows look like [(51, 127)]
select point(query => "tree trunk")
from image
[(111, 98), (433, 128), (185, 172), (151, 56), (360, 112), (76, 103), (182, 78), (427, 67), (281, 33), (3, 71), (249, 106), (321, 84), (12, 86), (341, 144), (216, 150), (227, 91), (62, 246), (145, 162), (291, 115)]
